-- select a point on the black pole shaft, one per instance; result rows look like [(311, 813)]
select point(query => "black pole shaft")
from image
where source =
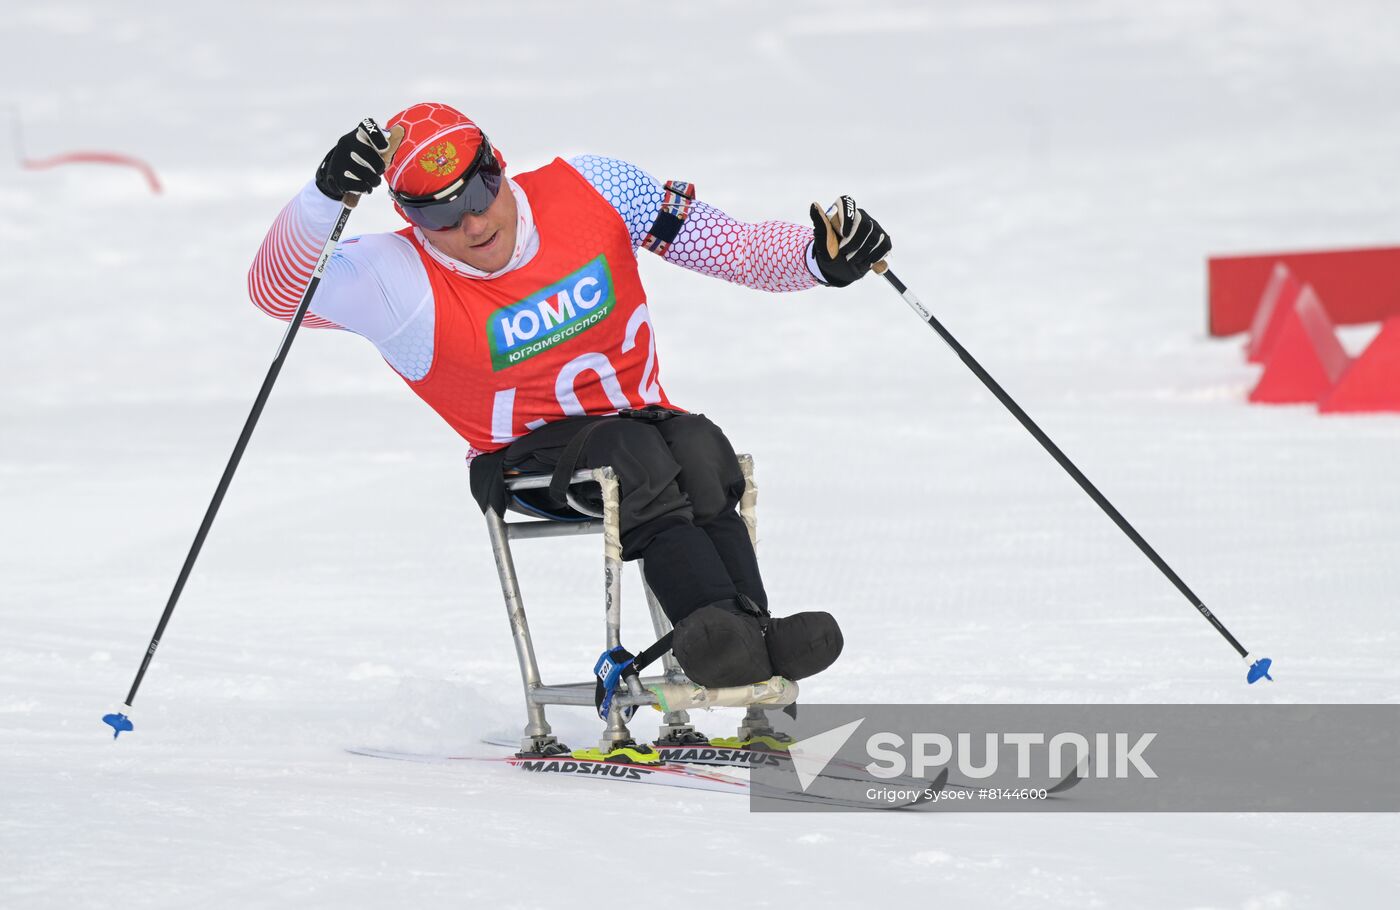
[(1064, 461), (242, 444)]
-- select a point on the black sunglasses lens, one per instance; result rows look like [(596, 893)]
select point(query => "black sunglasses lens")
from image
[(475, 198)]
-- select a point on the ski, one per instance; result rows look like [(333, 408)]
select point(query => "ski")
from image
[(668, 775), (664, 774), (1067, 782), (749, 757), (707, 755), (701, 754)]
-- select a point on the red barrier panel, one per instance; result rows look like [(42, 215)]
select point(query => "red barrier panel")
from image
[(1372, 382), (1361, 285), (1307, 360), (1272, 312)]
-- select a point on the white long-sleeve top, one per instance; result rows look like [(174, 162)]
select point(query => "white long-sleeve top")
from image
[(376, 286)]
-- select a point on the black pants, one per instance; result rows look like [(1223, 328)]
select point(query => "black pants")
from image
[(679, 483)]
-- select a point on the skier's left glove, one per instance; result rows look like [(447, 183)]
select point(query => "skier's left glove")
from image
[(858, 240)]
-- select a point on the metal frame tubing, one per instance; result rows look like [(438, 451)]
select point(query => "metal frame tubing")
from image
[(748, 503), (537, 732)]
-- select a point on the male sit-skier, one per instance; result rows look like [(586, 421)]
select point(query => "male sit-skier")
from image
[(513, 307)]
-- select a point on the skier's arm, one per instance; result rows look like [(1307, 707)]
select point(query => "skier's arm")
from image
[(768, 256), (355, 292), (374, 285), (287, 257)]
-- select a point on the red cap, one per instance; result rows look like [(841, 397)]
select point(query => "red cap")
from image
[(438, 144)]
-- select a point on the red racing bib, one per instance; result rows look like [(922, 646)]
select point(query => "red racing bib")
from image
[(568, 333)]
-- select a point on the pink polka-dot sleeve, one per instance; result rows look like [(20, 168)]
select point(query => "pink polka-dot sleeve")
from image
[(768, 256)]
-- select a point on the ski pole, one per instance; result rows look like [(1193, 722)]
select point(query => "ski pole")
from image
[(119, 722), (1258, 669)]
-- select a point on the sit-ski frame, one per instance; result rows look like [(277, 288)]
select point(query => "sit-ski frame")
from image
[(676, 727)]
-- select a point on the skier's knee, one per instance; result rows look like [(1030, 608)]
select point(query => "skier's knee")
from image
[(651, 500), (710, 472)]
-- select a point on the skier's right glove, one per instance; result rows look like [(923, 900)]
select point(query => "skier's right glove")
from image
[(858, 239), (356, 164)]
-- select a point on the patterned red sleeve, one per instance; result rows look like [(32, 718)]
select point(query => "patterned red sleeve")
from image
[(771, 256), (768, 256), (288, 256)]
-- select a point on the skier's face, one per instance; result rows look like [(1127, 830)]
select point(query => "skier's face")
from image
[(483, 241)]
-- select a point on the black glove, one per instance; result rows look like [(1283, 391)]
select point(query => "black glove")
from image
[(860, 241), (355, 164)]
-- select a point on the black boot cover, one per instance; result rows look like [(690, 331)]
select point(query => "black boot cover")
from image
[(721, 644), (803, 644)]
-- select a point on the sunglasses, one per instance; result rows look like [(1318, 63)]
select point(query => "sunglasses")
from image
[(472, 193)]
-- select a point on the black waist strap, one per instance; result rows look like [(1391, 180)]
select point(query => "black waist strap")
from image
[(568, 464), (569, 460)]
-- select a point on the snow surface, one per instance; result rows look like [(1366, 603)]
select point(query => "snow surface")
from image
[(1053, 176)]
